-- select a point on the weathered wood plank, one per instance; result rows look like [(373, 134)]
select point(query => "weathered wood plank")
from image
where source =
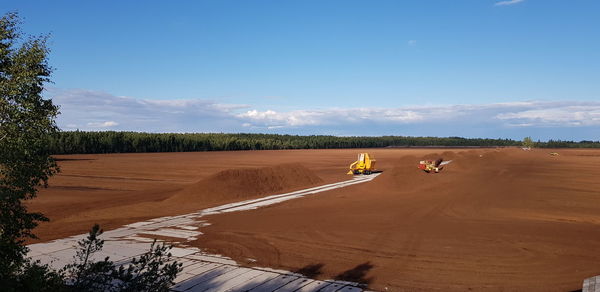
[(296, 284), (236, 281), (216, 283), (314, 286), (201, 278), (274, 284), (350, 289), (255, 282)]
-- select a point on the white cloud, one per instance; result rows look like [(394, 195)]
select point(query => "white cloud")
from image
[(91, 110), (555, 114), (412, 42), (94, 110), (336, 116), (540, 114), (508, 2), (106, 124)]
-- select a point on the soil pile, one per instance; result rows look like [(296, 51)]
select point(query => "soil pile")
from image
[(243, 183), (117, 189)]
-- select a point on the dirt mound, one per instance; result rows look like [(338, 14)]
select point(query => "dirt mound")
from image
[(242, 183)]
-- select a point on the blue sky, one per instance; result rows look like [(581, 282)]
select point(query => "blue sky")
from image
[(472, 68)]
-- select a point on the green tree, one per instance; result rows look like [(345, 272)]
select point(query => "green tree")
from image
[(26, 122), (88, 275), (528, 142), (26, 126), (152, 271)]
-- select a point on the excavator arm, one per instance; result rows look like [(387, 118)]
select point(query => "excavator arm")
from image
[(364, 165)]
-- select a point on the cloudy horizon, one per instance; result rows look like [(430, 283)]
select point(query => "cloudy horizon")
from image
[(100, 111)]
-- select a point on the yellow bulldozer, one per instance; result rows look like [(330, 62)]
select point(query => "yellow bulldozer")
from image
[(364, 165)]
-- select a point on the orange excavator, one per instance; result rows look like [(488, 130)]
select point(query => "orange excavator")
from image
[(364, 165)]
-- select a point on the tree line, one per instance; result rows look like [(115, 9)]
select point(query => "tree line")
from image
[(82, 142), (568, 144)]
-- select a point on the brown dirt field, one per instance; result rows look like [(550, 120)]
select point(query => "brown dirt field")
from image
[(500, 220), (506, 220), (118, 189)]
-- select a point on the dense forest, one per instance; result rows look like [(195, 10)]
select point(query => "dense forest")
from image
[(72, 142)]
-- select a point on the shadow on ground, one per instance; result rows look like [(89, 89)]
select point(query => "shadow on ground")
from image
[(310, 271), (357, 274)]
